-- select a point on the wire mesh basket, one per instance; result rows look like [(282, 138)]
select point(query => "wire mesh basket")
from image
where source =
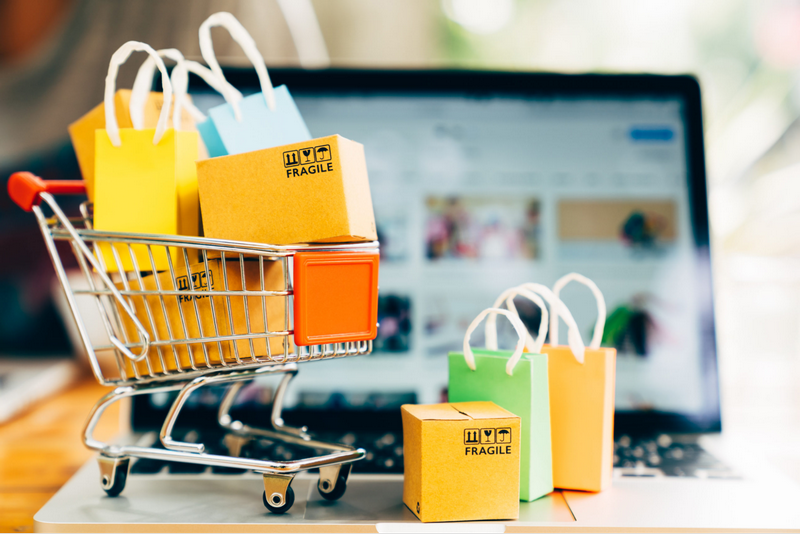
[(182, 312)]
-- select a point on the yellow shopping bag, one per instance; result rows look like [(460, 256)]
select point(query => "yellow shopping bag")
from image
[(581, 398), (134, 108), (145, 180)]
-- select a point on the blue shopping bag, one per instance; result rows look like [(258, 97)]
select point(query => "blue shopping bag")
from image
[(261, 120)]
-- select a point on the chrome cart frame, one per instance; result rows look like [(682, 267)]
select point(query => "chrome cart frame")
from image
[(202, 348)]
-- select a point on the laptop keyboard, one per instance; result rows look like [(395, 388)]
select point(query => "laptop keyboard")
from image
[(633, 457), (663, 456)]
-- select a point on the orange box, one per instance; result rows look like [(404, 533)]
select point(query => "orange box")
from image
[(335, 297)]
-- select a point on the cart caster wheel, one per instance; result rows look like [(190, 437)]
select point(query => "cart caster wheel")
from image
[(276, 497), (113, 474), (338, 490), (118, 485)]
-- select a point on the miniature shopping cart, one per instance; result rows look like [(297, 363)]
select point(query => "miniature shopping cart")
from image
[(182, 312)]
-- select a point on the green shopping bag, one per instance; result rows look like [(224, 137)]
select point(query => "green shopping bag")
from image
[(515, 381)]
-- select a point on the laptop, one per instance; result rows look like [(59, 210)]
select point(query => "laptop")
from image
[(481, 181)]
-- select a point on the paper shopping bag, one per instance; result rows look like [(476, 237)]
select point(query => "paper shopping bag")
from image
[(137, 108), (317, 191), (517, 382), (145, 180), (82, 131), (180, 83), (198, 316), (581, 400), (262, 120)]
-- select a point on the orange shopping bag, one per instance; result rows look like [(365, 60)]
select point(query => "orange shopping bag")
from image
[(581, 398)]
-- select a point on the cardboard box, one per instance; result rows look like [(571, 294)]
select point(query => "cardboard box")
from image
[(165, 322), (82, 131), (314, 191), (461, 461)]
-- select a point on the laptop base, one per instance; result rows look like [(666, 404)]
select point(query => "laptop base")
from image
[(373, 503)]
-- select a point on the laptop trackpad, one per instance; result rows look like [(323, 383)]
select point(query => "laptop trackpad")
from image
[(376, 498)]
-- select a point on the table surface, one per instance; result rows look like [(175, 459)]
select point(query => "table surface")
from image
[(42, 448)]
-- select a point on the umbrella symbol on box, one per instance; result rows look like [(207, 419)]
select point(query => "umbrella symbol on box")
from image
[(502, 433), (323, 153)]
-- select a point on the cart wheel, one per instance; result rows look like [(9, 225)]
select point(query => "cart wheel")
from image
[(118, 485), (113, 474), (280, 509), (338, 490)]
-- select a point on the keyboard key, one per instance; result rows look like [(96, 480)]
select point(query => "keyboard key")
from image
[(146, 466), (181, 468), (227, 471)]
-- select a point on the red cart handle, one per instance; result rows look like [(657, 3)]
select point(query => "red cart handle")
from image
[(24, 188)]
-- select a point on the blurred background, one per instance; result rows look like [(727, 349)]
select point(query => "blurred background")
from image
[(746, 55)]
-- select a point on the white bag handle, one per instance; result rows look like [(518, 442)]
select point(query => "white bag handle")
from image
[(180, 80), (143, 82), (240, 35), (533, 346), (518, 326), (118, 58), (559, 309), (600, 324)]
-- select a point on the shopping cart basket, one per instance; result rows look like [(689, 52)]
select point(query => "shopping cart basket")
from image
[(221, 313)]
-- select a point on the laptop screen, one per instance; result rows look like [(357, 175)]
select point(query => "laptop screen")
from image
[(476, 194)]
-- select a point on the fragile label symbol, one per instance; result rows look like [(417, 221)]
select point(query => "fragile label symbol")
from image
[(323, 153), (306, 156), (290, 158), (487, 436)]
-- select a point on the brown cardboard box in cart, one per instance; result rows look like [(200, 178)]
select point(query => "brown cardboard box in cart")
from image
[(313, 191), (230, 316), (461, 461)]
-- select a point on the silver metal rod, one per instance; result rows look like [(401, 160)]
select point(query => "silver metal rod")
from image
[(277, 408), (180, 309), (65, 285), (247, 308), (187, 292), (207, 243), (224, 270), (163, 303), (196, 308), (264, 306)]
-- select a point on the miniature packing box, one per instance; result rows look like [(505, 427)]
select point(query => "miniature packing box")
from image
[(314, 191), (461, 461)]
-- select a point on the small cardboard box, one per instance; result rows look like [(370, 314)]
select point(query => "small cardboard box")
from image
[(310, 192), (169, 324), (461, 461), (82, 131)]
